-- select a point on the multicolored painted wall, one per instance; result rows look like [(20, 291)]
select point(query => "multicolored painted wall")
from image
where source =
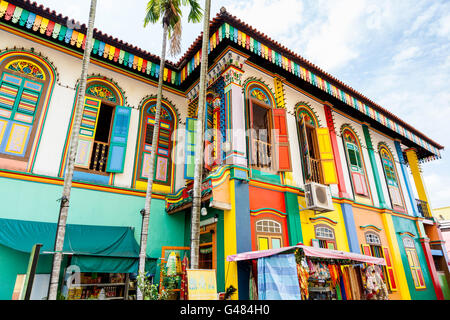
[(255, 188)]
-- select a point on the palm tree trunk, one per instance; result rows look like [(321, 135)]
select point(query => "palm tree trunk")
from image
[(195, 216), (64, 207), (148, 196)]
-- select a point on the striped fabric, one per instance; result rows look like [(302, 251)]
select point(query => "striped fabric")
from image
[(277, 278)]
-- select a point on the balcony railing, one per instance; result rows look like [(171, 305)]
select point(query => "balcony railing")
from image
[(262, 154), (99, 157), (316, 171), (422, 206)]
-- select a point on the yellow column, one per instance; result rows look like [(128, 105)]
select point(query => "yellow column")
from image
[(230, 246), (396, 258), (416, 171)]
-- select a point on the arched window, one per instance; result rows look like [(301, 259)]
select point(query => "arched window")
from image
[(103, 132), (414, 263), (269, 234), (373, 239), (268, 137), (374, 248), (325, 237), (390, 173), (163, 162), (355, 163), (25, 83)]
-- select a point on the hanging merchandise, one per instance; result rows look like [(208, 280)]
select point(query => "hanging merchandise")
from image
[(334, 274), (375, 287), (303, 276), (184, 288), (172, 264)]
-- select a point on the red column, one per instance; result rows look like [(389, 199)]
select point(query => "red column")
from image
[(430, 262), (337, 159)]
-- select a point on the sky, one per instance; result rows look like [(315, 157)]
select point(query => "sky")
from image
[(396, 53)]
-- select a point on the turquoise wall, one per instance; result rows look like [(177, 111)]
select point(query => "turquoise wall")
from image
[(13, 263), (406, 225), (24, 200)]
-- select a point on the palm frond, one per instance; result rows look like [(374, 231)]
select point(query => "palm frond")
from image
[(170, 12), (152, 12), (175, 39), (196, 12)]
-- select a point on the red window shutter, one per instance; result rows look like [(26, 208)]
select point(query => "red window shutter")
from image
[(359, 183), (283, 155), (390, 269), (366, 250), (420, 276)]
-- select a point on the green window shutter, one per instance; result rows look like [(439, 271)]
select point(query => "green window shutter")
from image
[(119, 137), (189, 165)]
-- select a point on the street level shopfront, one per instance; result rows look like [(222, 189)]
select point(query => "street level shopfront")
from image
[(306, 273), (99, 262)]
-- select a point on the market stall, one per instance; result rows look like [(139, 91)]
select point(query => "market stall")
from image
[(306, 273), (100, 262)]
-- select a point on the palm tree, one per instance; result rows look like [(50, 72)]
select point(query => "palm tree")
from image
[(170, 12), (197, 194), (64, 207)]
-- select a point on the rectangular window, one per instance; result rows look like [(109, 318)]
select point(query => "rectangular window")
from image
[(310, 154), (260, 137), (414, 266), (263, 243)]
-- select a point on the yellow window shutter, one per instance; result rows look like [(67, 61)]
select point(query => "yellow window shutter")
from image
[(88, 128), (326, 156)]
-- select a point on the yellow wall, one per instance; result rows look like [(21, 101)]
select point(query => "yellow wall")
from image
[(140, 185), (308, 225), (442, 213), (230, 246)]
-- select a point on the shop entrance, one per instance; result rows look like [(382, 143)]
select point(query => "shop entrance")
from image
[(207, 257)]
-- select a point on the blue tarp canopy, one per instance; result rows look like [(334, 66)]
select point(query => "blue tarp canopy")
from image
[(94, 248)]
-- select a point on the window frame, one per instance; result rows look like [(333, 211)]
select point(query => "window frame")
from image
[(325, 241), (359, 170), (414, 262), (105, 104), (268, 108), (145, 117), (311, 140), (391, 182), (270, 236), (40, 108)]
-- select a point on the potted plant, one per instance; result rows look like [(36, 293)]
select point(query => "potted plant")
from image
[(149, 290)]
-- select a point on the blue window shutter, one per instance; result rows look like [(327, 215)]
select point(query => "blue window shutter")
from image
[(119, 137), (189, 164)]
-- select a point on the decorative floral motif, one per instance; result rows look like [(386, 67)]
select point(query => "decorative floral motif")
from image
[(305, 114), (101, 92), (164, 113), (27, 68), (349, 137), (258, 94)]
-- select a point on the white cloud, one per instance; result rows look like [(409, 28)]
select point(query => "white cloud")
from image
[(438, 190), (274, 18), (405, 55)]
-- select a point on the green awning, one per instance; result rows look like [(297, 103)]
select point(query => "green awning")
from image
[(94, 248)]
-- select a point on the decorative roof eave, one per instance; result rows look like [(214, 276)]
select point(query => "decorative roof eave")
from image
[(223, 26), (49, 25), (226, 26)]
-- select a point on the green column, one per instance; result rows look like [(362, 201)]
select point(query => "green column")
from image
[(293, 219), (373, 163)]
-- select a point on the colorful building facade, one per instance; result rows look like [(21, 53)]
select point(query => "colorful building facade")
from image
[(275, 126)]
